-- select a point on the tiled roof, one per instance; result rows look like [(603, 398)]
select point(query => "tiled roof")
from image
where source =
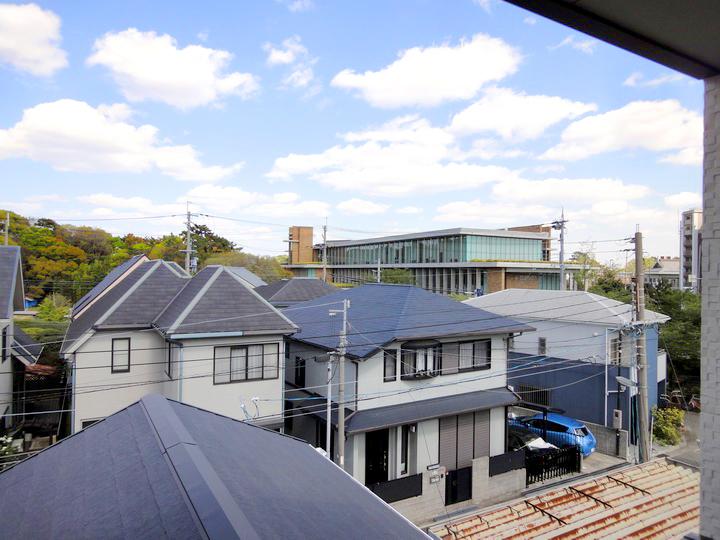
[(252, 279), (162, 469), (574, 306), (382, 313), (11, 287), (286, 292), (108, 280), (658, 499), (216, 300)]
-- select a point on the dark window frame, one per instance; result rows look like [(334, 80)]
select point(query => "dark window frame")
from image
[(113, 369), (476, 366), (408, 369), (386, 354), (542, 346), (246, 370), (300, 371), (4, 344)]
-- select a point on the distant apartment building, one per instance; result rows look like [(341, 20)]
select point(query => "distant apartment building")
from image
[(458, 260), (690, 251)]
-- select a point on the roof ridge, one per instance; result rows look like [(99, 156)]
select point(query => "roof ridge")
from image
[(194, 300), (134, 287), (254, 293)]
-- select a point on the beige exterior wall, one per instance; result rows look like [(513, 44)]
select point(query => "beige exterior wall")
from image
[(521, 281), (495, 280), (6, 378), (301, 245)]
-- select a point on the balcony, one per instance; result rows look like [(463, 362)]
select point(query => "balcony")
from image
[(423, 374), (398, 489)]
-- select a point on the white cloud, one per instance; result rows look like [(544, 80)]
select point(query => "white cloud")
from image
[(362, 207), (30, 39), (516, 115), (294, 54), (532, 21), (409, 210), (151, 67), (297, 6), (586, 46), (638, 80), (406, 155), (491, 214), (683, 200), (71, 135), (108, 200), (560, 191), (485, 4), (659, 126), (433, 75), (486, 149), (288, 53)]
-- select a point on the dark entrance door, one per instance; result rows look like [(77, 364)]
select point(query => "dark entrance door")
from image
[(458, 485), (376, 456)]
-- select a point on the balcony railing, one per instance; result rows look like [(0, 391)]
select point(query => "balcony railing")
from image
[(399, 489)]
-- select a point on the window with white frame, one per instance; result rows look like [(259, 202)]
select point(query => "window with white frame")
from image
[(120, 355), (389, 365), (241, 363)]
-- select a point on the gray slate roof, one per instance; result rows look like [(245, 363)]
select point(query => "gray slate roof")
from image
[(573, 306), (382, 313), (162, 469), (242, 272), (286, 292), (104, 283), (216, 300), (11, 286), (25, 348)]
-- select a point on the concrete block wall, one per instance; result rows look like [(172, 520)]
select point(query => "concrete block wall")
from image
[(710, 342), (607, 439)]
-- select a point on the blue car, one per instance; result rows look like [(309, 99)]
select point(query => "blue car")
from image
[(560, 431)]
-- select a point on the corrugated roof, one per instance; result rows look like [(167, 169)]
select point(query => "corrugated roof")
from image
[(242, 272), (216, 300), (286, 292), (575, 306), (11, 286), (658, 499), (162, 469), (382, 313)]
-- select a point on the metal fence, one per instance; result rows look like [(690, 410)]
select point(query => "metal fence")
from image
[(509, 461), (398, 489), (549, 465)]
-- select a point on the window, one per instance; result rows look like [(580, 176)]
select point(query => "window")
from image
[(88, 423), (245, 363), (542, 346), (475, 355), (616, 350), (4, 344), (407, 365), (390, 365), (299, 371), (404, 445), (534, 394), (421, 361), (120, 352)]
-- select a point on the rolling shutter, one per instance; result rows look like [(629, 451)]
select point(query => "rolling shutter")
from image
[(448, 442), (450, 353), (482, 434), (464, 440)]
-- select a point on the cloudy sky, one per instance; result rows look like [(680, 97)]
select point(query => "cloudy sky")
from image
[(381, 116)]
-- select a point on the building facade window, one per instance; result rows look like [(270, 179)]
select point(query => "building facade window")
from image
[(425, 361), (241, 363), (542, 346), (120, 355), (299, 372), (474, 355), (389, 365), (4, 344), (616, 350)]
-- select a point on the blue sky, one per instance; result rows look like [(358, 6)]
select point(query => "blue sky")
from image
[(381, 116)]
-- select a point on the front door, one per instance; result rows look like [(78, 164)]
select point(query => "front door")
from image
[(376, 456)]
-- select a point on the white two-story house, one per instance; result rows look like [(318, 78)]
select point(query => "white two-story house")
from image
[(425, 395), (207, 340)]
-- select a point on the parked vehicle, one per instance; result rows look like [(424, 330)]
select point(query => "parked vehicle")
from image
[(560, 431), (520, 437)]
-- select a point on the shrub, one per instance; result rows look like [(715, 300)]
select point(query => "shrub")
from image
[(667, 424), (54, 307)]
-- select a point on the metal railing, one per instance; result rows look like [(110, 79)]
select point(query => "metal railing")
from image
[(398, 489), (541, 467)]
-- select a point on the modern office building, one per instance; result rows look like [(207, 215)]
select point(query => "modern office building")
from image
[(690, 250), (447, 261)]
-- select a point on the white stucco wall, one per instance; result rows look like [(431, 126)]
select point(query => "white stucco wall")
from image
[(6, 378), (497, 431), (148, 356), (198, 388), (316, 372)]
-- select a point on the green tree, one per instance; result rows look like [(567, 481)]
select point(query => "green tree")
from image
[(206, 243), (607, 283), (94, 242), (399, 276), (588, 272), (54, 307), (266, 268)]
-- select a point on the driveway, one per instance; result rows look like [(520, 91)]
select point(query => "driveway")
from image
[(689, 450)]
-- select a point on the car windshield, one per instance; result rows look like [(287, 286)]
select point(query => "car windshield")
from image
[(581, 431), (524, 435)]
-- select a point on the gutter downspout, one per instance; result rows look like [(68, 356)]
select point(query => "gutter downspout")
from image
[(607, 359)]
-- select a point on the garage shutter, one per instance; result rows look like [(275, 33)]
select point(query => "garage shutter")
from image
[(482, 433), (450, 352), (448, 442), (465, 440)]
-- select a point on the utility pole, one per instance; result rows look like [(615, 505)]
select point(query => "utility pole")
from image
[(559, 225), (328, 409), (324, 252), (643, 409), (7, 228), (188, 240), (379, 272), (342, 349)]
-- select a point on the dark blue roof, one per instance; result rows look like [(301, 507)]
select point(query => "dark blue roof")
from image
[(383, 313), (11, 287), (25, 348), (162, 469)]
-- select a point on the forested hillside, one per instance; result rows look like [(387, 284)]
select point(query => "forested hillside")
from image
[(71, 259)]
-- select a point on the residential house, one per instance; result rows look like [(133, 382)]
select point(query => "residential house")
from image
[(207, 340), (17, 349), (425, 394), (287, 292), (159, 468), (253, 280), (582, 342), (460, 260), (665, 269)]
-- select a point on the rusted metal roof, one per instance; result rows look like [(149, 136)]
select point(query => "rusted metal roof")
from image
[(659, 499)]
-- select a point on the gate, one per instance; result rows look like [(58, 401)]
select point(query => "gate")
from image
[(458, 486), (552, 464)]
